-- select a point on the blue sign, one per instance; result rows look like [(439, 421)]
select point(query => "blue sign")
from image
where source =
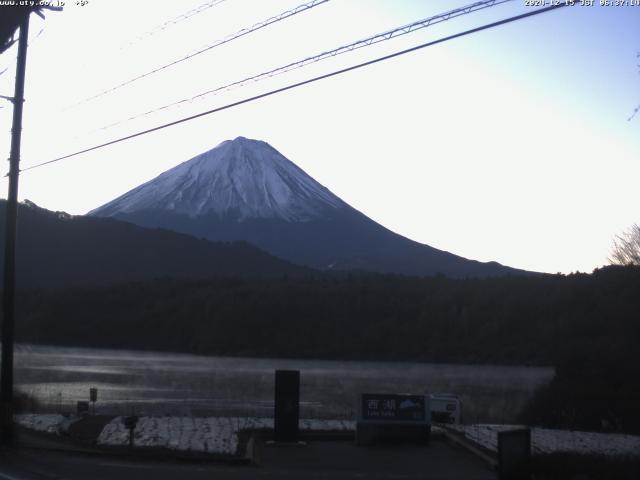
[(393, 408)]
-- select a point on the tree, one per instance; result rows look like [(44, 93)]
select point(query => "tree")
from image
[(626, 247)]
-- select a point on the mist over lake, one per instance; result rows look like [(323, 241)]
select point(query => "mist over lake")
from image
[(166, 383)]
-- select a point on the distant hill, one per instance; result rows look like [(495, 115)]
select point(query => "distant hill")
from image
[(56, 249), (246, 190)]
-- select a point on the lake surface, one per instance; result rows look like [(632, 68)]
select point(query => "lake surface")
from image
[(180, 384)]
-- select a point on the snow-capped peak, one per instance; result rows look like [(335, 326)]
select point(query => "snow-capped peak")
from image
[(240, 178)]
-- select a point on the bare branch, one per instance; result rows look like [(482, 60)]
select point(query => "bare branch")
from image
[(626, 247)]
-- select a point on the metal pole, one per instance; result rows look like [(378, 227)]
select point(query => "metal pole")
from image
[(8, 291)]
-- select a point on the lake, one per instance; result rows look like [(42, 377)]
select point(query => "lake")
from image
[(152, 383)]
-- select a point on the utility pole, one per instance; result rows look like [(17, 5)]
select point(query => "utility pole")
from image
[(9, 287)]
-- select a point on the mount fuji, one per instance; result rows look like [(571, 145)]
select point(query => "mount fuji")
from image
[(246, 190)]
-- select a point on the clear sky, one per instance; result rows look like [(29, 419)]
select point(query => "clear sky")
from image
[(511, 144)]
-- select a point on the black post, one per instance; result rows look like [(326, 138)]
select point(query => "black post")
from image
[(514, 454), (287, 405), (8, 290)]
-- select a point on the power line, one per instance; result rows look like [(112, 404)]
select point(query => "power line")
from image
[(308, 81), (377, 38), (175, 20), (240, 33)]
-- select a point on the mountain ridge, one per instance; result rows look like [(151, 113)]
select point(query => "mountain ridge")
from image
[(55, 249), (246, 190)]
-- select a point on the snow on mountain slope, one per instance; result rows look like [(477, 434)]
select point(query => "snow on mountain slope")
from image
[(240, 178)]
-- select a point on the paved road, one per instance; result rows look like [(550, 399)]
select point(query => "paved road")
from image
[(343, 459), (318, 460)]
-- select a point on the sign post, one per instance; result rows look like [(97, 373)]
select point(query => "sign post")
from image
[(130, 424), (93, 397)]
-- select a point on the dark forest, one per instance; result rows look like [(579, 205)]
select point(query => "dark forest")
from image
[(585, 325)]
